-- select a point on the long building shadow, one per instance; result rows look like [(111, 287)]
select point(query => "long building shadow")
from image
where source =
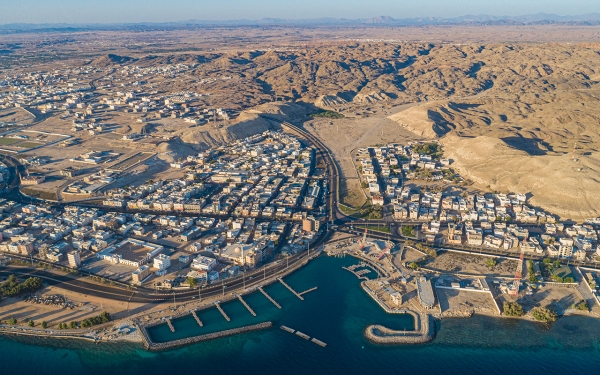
[(139, 309), (13, 310)]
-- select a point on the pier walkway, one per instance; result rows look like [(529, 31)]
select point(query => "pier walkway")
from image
[(170, 325), (239, 296), (359, 274), (222, 312), (269, 297), (307, 291), (197, 319), (290, 288)]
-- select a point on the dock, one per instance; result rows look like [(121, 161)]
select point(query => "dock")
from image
[(197, 319), (359, 274), (222, 312), (170, 325), (307, 291), (245, 304), (304, 336), (290, 288), (269, 297)]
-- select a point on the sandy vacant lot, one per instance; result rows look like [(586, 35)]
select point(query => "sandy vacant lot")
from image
[(472, 265), (461, 302)]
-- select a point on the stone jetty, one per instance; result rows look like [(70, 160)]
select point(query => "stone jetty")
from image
[(222, 312), (245, 304), (170, 325), (269, 297), (197, 319), (291, 289), (149, 345)]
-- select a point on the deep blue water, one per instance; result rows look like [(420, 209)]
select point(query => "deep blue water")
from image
[(336, 313)]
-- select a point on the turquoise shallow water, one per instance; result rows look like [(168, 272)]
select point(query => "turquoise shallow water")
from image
[(335, 313)]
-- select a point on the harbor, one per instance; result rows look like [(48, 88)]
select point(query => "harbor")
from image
[(271, 302)]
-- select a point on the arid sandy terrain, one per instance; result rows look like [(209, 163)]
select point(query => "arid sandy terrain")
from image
[(513, 106)]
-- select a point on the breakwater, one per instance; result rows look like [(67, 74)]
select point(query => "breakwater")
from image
[(151, 346), (382, 335)]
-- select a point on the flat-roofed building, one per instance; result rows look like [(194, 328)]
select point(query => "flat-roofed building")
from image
[(140, 274), (203, 263), (74, 258), (131, 252), (425, 292), (162, 262)]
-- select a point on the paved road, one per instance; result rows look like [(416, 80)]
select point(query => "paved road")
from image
[(81, 284)]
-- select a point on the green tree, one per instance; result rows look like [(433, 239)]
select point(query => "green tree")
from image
[(491, 262), (44, 325), (192, 282), (12, 321), (105, 316), (31, 323), (532, 277), (73, 325), (543, 314), (408, 231), (513, 309), (414, 266)]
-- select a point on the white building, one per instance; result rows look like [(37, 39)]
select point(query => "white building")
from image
[(162, 262), (203, 263)]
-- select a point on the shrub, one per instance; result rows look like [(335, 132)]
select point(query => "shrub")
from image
[(581, 306), (543, 314), (513, 309), (31, 323), (44, 324)]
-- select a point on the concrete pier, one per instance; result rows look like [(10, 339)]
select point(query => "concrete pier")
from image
[(269, 297), (290, 288), (303, 335), (307, 291), (197, 319), (170, 325), (245, 304), (222, 312), (318, 342), (287, 329)]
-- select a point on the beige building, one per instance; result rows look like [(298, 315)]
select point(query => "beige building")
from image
[(310, 224), (139, 275), (74, 259)]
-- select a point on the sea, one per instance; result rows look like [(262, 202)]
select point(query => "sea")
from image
[(336, 313)]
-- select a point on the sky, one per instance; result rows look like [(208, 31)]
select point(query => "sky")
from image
[(121, 11)]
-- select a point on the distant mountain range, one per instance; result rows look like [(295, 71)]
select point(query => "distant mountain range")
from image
[(481, 19)]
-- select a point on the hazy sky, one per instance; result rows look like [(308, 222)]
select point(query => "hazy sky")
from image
[(108, 11)]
